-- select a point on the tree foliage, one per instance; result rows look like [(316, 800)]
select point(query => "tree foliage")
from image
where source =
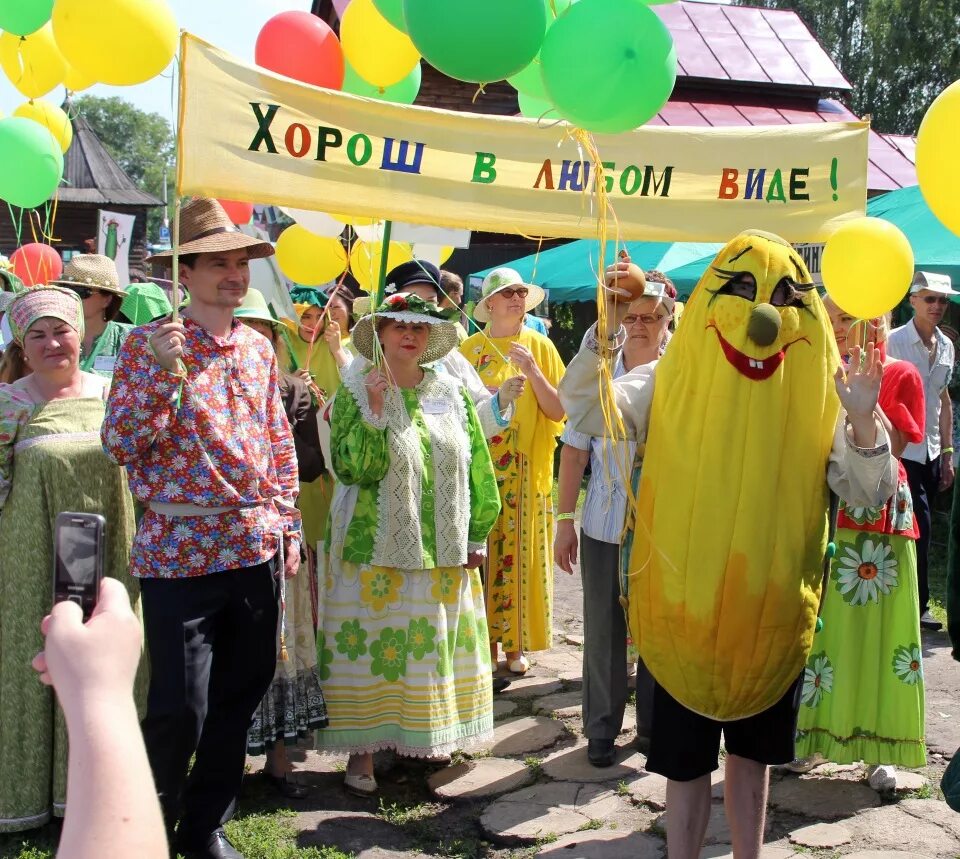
[(142, 143), (897, 54)]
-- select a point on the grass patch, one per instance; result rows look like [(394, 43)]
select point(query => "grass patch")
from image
[(592, 823), (273, 836), (924, 792), (623, 789), (36, 844), (535, 765), (403, 815)]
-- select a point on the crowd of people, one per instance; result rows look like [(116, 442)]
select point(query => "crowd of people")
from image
[(335, 526)]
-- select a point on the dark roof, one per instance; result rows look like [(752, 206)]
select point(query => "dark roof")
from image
[(748, 45), (92, 176), (890, 157)]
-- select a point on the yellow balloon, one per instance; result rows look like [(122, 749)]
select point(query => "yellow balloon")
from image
[(126, 42), (938, 170), (353, 220), (33, 63), (365, 261), (51, 118), (75, 81), (867, 267), (309, 259), (377, 50)]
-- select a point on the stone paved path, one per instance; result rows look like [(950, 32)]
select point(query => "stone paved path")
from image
[(533, 793)]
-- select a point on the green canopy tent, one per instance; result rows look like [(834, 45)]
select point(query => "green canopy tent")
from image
[(935, 248), (569, 272)]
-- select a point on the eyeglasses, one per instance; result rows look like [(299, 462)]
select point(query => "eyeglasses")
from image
[(82, 291), (646, 319), (511, 291), (936, 299)]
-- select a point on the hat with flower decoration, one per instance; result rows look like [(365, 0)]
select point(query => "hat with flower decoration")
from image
[(403, 307)]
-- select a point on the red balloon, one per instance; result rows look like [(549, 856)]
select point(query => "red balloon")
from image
[(36, 263), (239, 213), (303, 47)]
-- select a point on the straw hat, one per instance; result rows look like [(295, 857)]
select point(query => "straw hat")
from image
[(500, 279), (205, 227), (407, 308), (94, 271)]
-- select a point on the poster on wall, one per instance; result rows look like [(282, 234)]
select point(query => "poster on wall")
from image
[(114, 234)]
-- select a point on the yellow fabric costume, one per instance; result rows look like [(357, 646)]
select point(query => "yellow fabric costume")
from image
[(519, 592), (314, 501), (731, 530)]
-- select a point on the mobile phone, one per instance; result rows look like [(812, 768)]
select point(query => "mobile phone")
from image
[(78, 559), (623, 253)]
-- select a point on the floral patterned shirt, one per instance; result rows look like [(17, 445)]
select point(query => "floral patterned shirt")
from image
[(221, 439)]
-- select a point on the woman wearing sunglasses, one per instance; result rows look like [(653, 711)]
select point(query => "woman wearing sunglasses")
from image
[(94, 278), (519, 572)]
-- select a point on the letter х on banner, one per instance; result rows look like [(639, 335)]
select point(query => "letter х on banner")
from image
[(246, 133)]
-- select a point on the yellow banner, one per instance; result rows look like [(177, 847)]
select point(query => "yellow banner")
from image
[(248, 134)]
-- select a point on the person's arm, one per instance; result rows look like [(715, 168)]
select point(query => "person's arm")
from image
[(334, 340), (306, 432), (573, 463), (13, 413), (112, 807), (547, 397), (285, 466), (946, 440), (495, 411), (144, 393), (484, 493), (358, 441)]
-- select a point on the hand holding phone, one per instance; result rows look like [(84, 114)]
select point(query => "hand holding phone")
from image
[(78, 559)]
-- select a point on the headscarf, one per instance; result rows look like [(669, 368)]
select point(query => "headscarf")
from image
[(44, 301)]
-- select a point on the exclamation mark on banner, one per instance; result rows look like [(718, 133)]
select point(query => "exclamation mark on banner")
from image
[(833, 179)]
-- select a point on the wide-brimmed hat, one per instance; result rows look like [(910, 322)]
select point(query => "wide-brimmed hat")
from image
[(498, 280), (205, 228), (927, 280), (94, 271), (254, 306), (402, 307)]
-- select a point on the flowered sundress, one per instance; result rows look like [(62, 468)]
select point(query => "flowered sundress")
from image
[(863, 697)]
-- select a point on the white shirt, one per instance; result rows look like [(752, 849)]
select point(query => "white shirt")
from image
[(905, 343), (605, 505)]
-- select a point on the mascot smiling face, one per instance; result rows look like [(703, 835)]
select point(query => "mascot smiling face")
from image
[(732, 512)]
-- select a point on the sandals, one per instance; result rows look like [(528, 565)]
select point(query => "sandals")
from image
[(286, 787), (360, 784)]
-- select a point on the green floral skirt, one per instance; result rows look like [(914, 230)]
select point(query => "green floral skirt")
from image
[(403, 658), (862, 696)]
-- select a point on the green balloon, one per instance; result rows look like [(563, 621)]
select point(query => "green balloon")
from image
[(528, 81), (476, 41), (402, 92), (631, 70), (538, 108), (392, 10), (38, 160), (23, 17)]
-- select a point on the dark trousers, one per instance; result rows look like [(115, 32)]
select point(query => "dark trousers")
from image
[(924, 480), (605, 647), (212, 645)]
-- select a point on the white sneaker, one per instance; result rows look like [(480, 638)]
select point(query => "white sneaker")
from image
[(882, 777), (804, 765)]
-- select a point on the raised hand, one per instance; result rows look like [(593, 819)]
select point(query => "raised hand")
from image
[(377, 381), (859, 387)]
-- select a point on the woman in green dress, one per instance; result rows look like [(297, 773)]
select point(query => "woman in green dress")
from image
[(402, 647), (51, 461), (863, 696), (94, 278)]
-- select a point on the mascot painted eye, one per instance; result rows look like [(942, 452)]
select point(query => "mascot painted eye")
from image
[(732, 511)]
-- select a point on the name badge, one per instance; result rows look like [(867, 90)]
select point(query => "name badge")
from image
[(105, 363), (435, 407)]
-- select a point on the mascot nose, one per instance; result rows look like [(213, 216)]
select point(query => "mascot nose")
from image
[(764, 325)]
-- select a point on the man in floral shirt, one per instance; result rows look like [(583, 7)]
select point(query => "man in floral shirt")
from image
[(195, 415)]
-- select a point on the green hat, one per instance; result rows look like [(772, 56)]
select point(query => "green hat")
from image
[(405, 307), (254, 306), (145, 302), (306, 296)]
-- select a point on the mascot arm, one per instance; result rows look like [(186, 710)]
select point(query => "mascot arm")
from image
[(580, 392), (862, 477)]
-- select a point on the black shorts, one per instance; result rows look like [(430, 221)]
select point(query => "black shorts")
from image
[(685, 745)]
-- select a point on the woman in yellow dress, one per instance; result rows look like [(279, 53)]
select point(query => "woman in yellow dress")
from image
[(320, 348), (519, 573)]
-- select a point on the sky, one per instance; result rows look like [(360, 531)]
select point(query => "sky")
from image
[(229, 24)]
